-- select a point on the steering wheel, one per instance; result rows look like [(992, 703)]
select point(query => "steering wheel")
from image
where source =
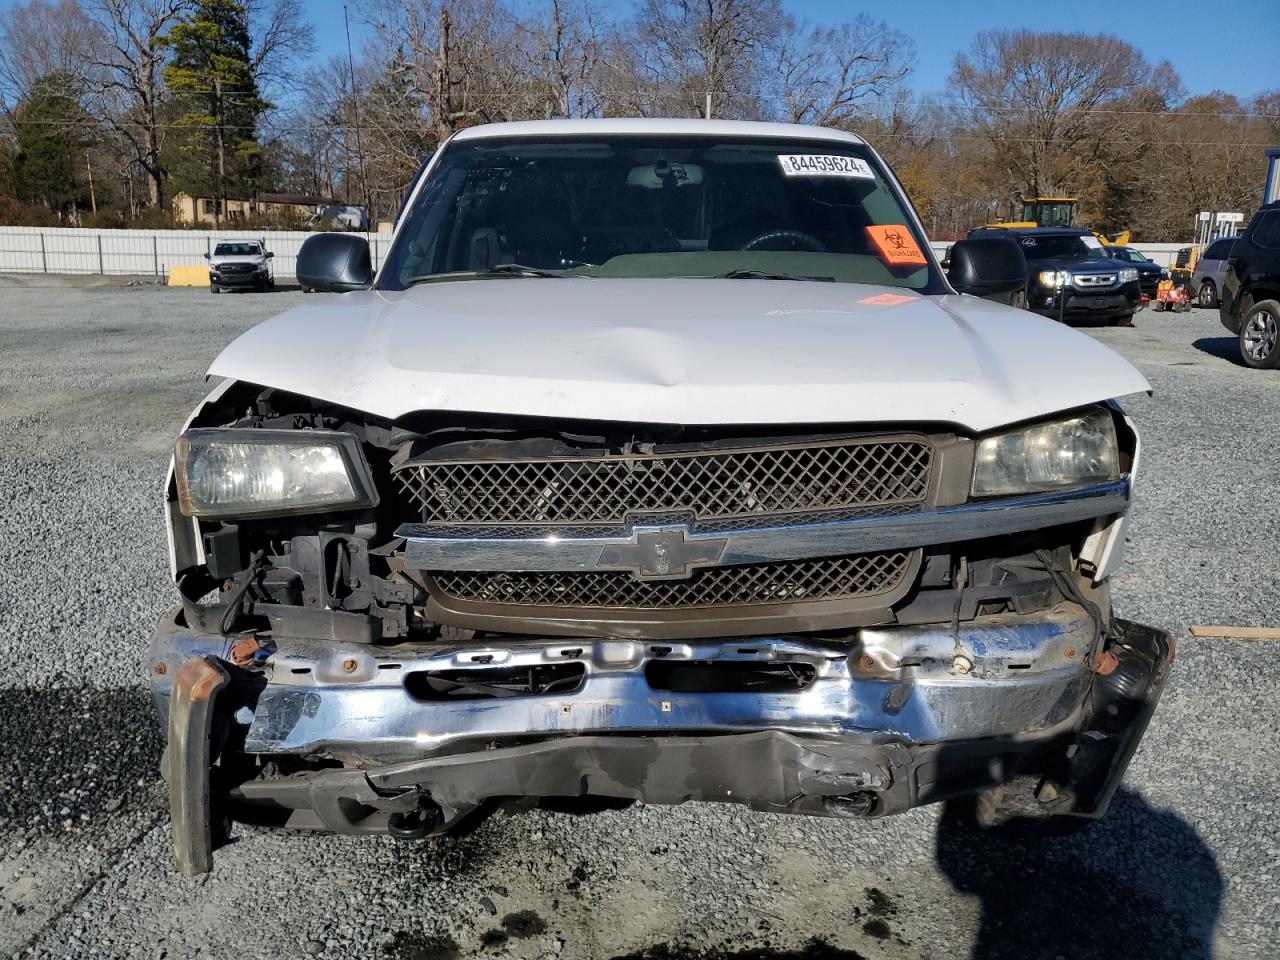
[(793, 240)]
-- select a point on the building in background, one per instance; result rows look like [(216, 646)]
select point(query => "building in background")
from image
[(190, 210)]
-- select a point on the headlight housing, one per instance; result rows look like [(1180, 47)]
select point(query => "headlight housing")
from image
[(243, 472), (1053, 278), (1129, 275), (1070, 452)]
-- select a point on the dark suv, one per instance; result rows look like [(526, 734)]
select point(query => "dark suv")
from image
[(1250, 304), (1071, 277)]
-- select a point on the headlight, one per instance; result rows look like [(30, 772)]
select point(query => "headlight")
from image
[(254, 473), (1048, 456), (1053, 278), (1128, 274)]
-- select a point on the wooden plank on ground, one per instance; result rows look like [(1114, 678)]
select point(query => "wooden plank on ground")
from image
[(1235, 633)]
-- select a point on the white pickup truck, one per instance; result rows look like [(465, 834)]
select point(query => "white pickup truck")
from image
[(240, 265), (661, 461)]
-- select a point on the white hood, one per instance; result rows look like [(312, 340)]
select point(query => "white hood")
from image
[(684, 351)]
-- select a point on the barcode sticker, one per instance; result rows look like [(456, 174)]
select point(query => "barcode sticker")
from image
[(824, 165)]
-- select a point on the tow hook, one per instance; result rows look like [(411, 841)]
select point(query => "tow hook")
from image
[(417, 823)]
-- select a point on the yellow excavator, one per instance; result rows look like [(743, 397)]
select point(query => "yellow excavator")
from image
[(1055, 212)]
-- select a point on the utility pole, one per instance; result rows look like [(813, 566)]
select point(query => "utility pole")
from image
[(355, 107), (93, 199)]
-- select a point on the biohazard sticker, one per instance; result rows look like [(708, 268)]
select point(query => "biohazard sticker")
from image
[(824, 165), (887, 299), (896, 246)]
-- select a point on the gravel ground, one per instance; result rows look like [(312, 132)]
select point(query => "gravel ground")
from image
[(94, 384)]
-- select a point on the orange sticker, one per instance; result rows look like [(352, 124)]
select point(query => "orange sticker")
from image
[(896, 246), (887, 299)]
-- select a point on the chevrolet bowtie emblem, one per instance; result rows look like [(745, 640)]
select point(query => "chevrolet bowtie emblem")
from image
[(662, 553)]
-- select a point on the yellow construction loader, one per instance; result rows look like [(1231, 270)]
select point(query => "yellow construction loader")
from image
[(1056, 212)]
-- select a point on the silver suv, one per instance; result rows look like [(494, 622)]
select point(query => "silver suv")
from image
[(1206, 280)]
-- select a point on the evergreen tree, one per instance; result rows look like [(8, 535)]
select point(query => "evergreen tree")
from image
[(212, 79), (50, 133)]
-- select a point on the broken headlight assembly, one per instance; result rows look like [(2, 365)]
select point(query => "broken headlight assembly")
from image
[(237, 473), (1072, 452)]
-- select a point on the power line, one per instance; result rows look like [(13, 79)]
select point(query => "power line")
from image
[(887, 100)]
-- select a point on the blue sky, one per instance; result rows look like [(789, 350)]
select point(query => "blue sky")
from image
[(1233, 46)]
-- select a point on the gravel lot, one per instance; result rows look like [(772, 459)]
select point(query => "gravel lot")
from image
[(94, 384)]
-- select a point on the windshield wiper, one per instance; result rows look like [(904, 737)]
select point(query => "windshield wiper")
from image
[(766, 275), (498, 270)]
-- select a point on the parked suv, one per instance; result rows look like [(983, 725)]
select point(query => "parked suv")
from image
[(1206, 279), (659, 461), (1250, 306), (1071, 277), (1150, 273)]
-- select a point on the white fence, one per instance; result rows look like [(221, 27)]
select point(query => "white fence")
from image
[(153, 252), (140, 252)]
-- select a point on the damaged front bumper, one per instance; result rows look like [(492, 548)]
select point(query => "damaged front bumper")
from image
[(410, 739)]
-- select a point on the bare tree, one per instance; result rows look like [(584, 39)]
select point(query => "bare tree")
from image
[(827, 73), (706, 53), (127, 86), (283, 39), (563, 50), (1052, 104), (452, 57), (40, 38)]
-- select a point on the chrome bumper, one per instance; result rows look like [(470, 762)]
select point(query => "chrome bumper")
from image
[(1003, 676), (661, 549), (899, 718)]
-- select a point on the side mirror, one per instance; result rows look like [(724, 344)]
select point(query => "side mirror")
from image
[(987, 266), (335, 263), (270, 255), (205, 255)]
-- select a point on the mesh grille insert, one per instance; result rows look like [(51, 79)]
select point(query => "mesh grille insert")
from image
[(708, 485), (829, 578)]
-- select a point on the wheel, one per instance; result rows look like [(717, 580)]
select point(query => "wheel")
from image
[(1260, 336), (214, 288), (1124, 320), (1208, 295)]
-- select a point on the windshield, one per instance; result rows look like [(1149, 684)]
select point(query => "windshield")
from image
[(659, 206), (236, 250), (1062, 247)]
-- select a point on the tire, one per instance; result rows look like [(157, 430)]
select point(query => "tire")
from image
[(1260, 336), (214, 288), (1208, 295), (1124, 320)]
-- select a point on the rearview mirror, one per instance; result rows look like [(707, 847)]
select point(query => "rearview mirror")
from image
[(335, 263), (987, 266), (270, 255)]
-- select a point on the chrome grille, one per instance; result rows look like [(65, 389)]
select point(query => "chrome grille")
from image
[(1094, 279), (829, 578), (707, 485)]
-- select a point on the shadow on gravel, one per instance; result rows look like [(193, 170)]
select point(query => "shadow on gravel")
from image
[(1222, 348), (813, 950), (66, 753), (1139, 884)]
